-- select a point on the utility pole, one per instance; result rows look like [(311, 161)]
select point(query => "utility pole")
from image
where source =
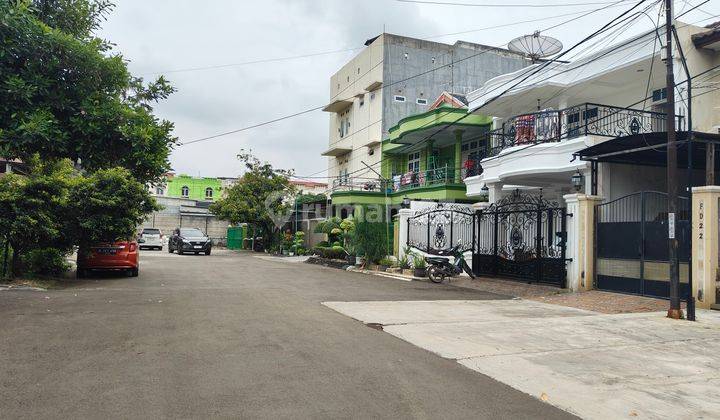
[(672, 181)]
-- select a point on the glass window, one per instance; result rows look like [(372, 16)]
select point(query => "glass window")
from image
[(421, 101), (414, 162), (185, 191), (208, 192), (191, 232), (399, 98)]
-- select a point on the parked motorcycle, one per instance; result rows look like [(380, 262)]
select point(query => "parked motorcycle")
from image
[(441, 267)]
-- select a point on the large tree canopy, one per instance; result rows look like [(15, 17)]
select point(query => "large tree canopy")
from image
[(63, 94), (263, 197)]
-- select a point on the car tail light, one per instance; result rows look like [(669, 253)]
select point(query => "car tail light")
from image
[(132, 247)]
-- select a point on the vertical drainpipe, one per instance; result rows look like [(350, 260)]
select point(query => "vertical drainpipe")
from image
[(458, 156)]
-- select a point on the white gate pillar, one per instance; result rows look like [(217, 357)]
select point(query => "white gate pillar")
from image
[(580, 240), (705, 235), (403, 216)]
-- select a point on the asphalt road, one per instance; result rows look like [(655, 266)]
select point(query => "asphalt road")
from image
[(231, 335)]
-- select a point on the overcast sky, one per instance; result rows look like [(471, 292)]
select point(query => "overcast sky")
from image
[(163, 36)]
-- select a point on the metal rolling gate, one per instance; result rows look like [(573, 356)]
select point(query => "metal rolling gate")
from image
[(436, 230), (631, 246), (522, 237)]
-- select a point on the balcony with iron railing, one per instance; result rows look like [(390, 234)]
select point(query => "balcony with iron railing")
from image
[(411, 180), (587, 119)]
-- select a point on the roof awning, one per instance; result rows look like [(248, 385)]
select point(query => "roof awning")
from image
[(709, 39), (373, 86), (650, 149), (337, 105), (373, 143), (336, 151)]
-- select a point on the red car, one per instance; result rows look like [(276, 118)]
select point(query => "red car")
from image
[(121, 255)]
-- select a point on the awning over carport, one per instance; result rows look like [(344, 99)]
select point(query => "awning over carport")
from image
[(650, 149)]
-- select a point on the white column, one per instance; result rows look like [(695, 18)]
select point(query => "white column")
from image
[(494, 192), (571, 250), (580, 240), (705, 237), (403, 216)]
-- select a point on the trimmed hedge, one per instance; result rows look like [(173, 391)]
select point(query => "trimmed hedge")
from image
[(333, 253)]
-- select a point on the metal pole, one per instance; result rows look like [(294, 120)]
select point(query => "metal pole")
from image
[(690, 299), (672, 185)]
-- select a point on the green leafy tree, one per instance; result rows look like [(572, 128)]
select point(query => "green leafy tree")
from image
[(66, 98), (108, 206), (262, 197), (34, 210), (52, 208), (65, 94)]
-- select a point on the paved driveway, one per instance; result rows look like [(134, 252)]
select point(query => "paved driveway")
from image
[(232, 335), (597, 366)]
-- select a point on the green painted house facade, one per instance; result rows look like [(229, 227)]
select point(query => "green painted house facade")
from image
[(425, 157), (193, 188)]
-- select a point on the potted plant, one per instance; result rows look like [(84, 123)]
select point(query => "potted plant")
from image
[(384, 264), (420, 266), (404, 264)]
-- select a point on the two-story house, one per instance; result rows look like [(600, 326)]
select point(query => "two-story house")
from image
[(383, 113)]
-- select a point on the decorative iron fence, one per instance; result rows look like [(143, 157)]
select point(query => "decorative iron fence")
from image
[(522, 237), (580, 120), (436, 230)]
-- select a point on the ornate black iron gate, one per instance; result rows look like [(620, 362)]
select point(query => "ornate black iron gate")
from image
[(522, 237), (631, 244), (436, 230)]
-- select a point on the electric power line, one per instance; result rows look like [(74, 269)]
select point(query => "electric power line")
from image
[(536, 71), (384, 86), (525, 5)]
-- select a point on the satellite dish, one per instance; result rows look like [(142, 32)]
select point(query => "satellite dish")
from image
[(535, 46)]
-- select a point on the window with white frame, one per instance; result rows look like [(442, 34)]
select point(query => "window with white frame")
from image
[(414, 162), (185, 191), (421, 101), (208, 192), (399, 98)]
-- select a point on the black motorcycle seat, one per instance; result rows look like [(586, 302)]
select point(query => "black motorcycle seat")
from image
[(437, 260)]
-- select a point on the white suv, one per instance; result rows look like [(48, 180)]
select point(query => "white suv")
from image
[(151, 238)]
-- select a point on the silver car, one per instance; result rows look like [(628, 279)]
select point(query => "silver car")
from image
[(150, 238)]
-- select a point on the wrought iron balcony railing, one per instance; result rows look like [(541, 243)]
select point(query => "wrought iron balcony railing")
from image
[(580, 120), (412, 179)]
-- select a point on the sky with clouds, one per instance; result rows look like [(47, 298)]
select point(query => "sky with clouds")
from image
[(176, 37)]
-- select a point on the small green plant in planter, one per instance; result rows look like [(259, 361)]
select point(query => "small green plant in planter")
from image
[(404, 262), (420, 266), (385, 263)]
